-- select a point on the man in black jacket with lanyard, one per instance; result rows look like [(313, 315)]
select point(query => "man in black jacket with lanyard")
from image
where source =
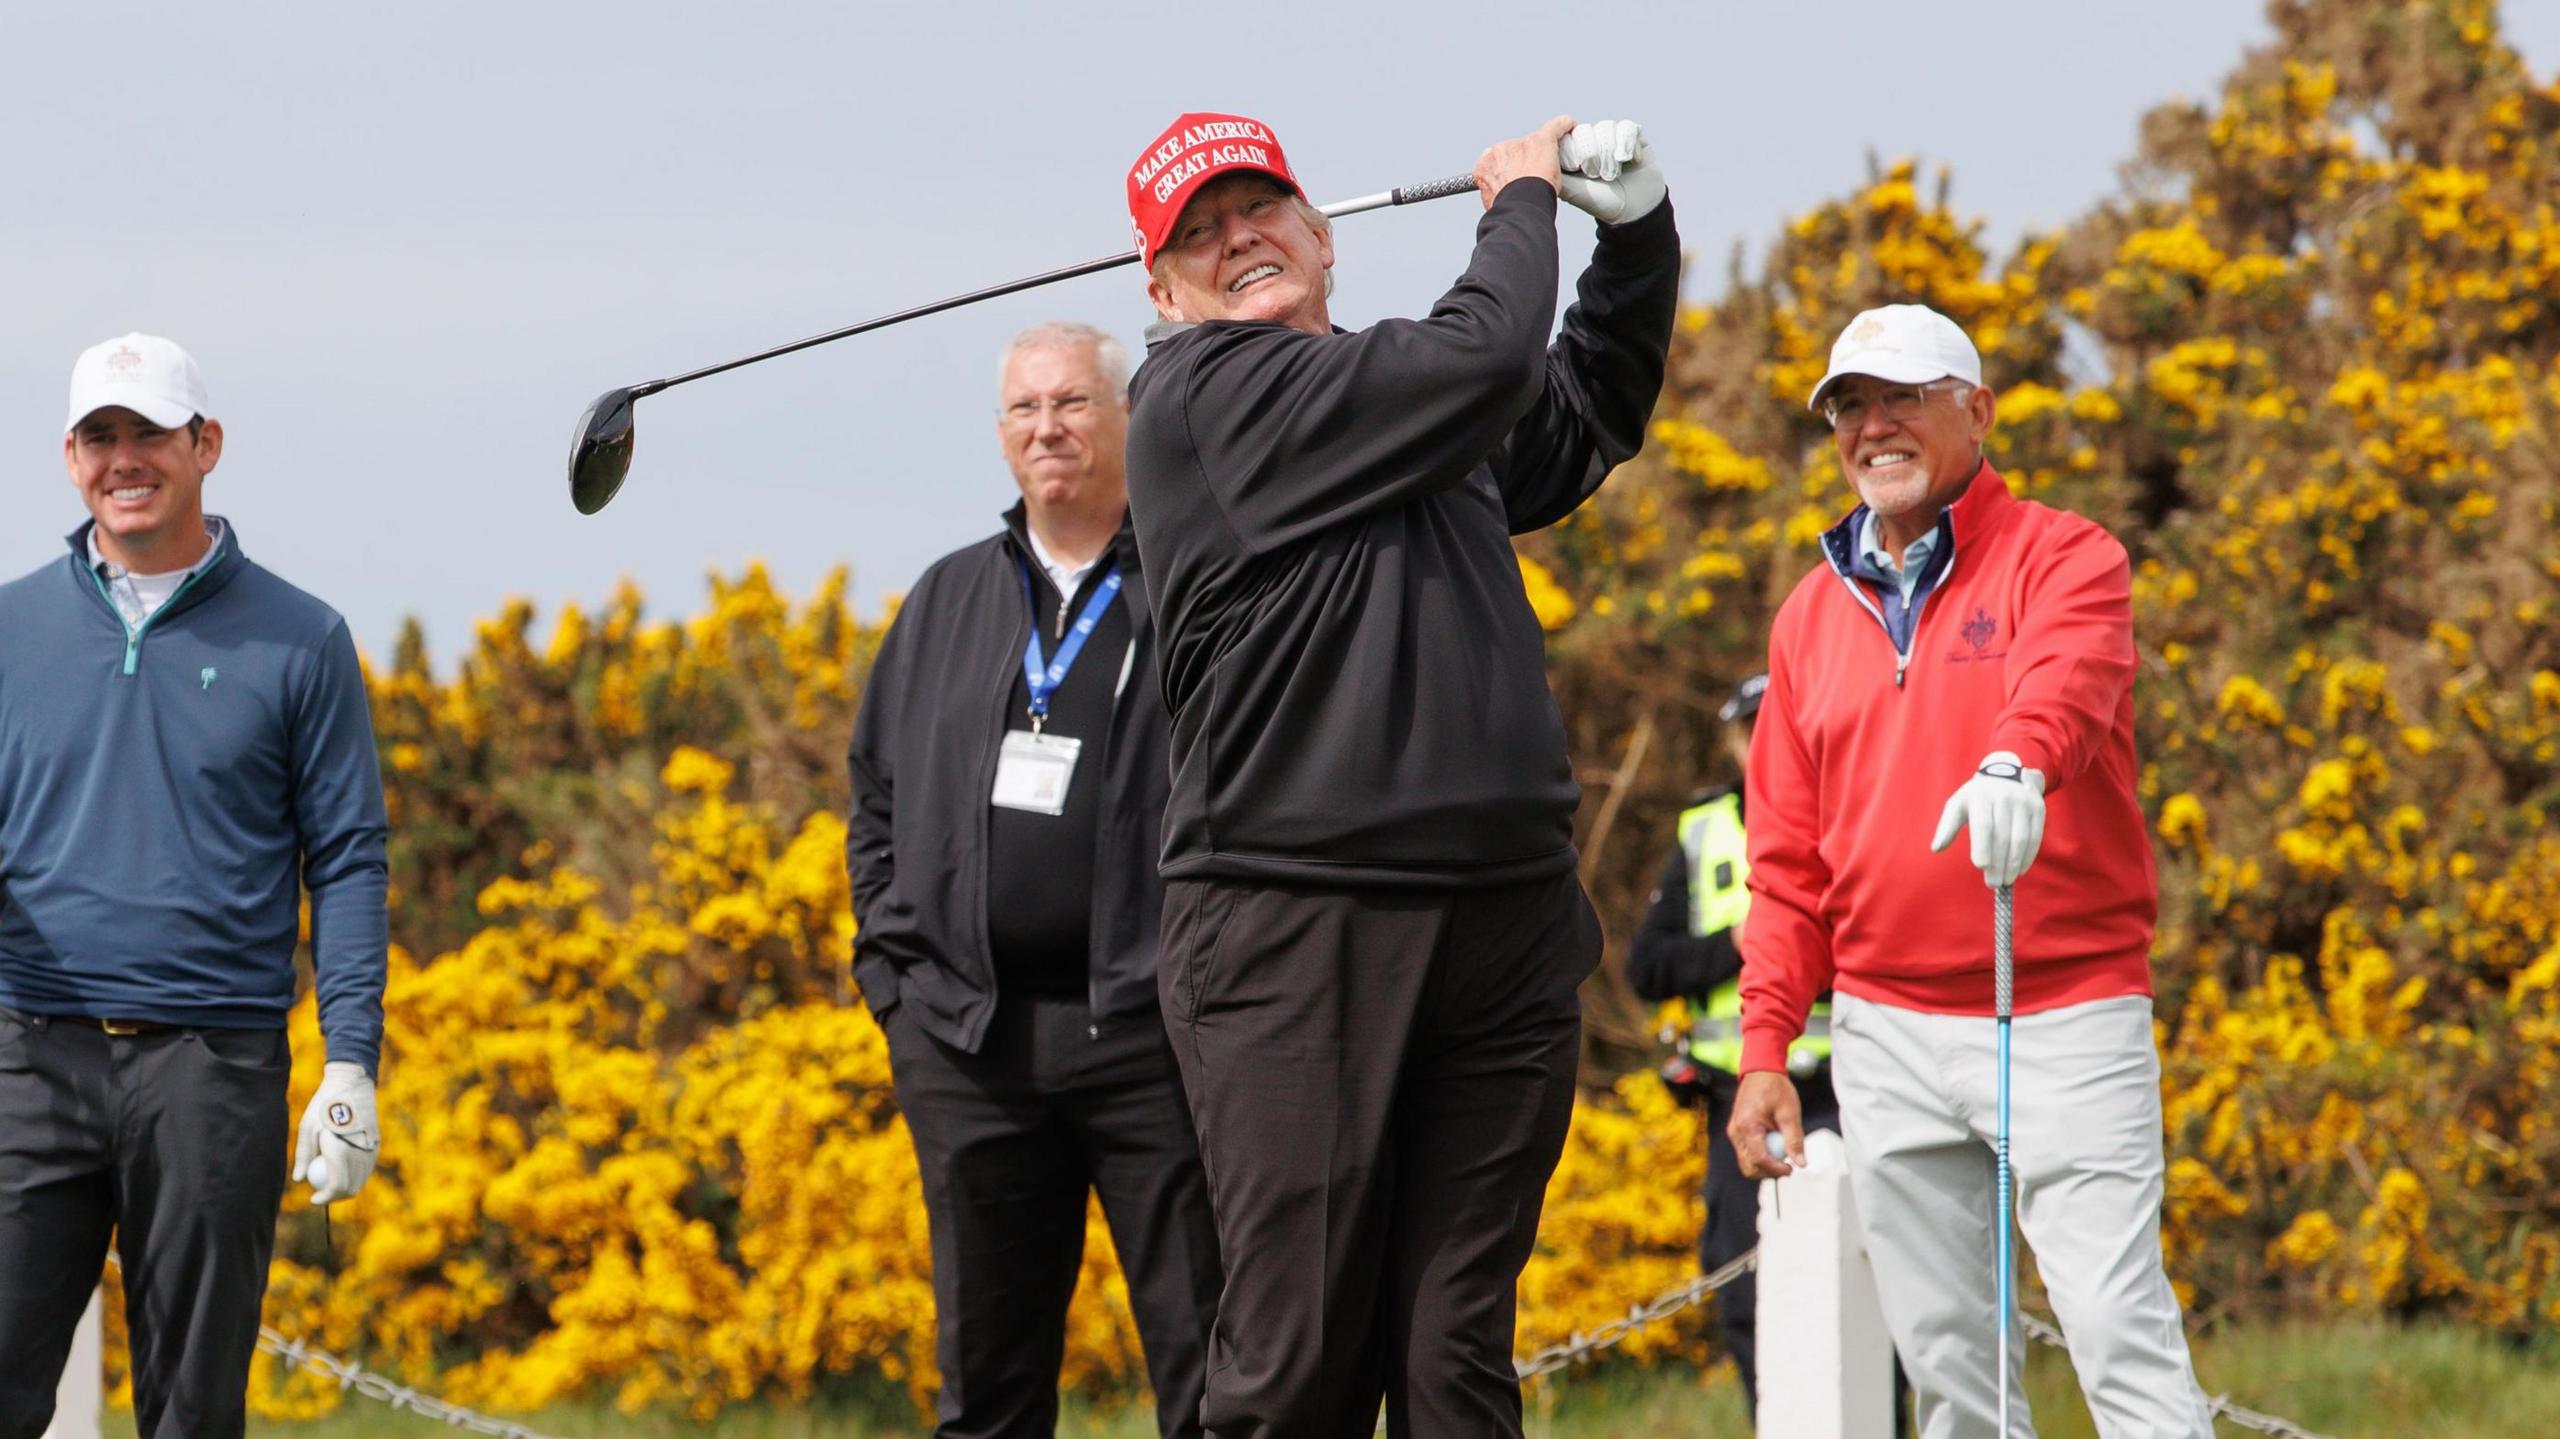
[(1008, 782), (1373, 928)]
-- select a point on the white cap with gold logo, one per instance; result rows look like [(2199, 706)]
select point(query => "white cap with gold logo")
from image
[(148, 375), (1902, 345)]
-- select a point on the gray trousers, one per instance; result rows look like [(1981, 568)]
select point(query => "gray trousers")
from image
[(174, 1142), (1918, 1103)]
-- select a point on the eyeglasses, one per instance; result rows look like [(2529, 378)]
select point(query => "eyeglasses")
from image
[(1027, 412), (1900, 403)]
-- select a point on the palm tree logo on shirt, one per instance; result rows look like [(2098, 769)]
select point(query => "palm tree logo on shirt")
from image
[(208, 675)]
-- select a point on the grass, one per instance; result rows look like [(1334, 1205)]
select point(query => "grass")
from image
[(2345, 1380)]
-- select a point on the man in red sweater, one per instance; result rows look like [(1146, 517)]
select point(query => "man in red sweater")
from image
[(1960, 644)]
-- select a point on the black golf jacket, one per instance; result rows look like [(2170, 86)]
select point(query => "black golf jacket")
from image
[(1358, 683), (923, 757)]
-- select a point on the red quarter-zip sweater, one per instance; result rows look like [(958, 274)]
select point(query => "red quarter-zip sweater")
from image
[(2025, 643)]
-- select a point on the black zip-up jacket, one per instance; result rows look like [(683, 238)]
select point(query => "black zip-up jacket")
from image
[(934, 710), (1358, 683)]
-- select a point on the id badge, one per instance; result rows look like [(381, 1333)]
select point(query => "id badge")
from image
[(1033, 770)]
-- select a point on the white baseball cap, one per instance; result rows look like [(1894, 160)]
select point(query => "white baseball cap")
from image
[(1901, 344), (145, 374)]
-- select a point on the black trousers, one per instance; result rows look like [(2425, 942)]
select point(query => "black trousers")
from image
[(1010, 1140), (175, 1142), (1382, 1080)]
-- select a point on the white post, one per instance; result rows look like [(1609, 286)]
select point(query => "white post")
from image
[(80, 1400), (1826, 1362)]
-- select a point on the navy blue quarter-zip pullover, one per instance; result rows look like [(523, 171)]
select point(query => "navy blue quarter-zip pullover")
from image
[(168, 790)]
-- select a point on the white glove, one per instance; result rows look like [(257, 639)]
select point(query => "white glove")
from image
[(2003, 804), (339, 1134), (1609, 172)]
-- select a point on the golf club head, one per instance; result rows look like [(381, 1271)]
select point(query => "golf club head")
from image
[(603, 454)]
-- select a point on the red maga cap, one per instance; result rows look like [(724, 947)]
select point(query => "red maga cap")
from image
[(1192, 151)]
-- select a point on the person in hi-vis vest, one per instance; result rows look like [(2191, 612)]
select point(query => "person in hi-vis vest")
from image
[(1688, 948)]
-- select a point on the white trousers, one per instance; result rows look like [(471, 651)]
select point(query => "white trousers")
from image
[(1918, 1107)]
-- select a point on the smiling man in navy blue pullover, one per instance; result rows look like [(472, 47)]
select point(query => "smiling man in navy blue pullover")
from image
[(185, 747)]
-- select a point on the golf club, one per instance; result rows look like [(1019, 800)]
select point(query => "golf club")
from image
[(2000, 994), (601, 457)]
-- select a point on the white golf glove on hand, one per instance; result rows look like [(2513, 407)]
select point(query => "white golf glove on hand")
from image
[(339, 1134), (2003, 804), (1609, 173)]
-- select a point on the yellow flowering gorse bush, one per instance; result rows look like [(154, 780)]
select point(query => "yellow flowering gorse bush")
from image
[(639, 1136)]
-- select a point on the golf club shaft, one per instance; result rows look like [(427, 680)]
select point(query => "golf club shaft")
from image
[(1402, 195), (2002, 977)]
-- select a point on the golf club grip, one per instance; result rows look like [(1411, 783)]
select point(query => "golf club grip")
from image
[(2003, 952), (1440, 189)]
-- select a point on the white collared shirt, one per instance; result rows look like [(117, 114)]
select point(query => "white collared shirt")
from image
[(137, 597)]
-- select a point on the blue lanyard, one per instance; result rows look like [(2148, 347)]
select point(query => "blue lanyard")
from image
[(1043, 679)]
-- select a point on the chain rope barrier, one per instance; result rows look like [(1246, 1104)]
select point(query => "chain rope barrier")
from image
[(1576, 1347), (1580, 1346), (351, 1377)]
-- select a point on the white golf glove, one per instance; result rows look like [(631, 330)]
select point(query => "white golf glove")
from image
[(1609, 172), (2003, 804), (339, 1134)]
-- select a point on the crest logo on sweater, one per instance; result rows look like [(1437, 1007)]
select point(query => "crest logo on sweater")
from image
[(1980, 632), (208, 675)]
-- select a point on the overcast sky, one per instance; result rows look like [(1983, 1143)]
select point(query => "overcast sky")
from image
[(409, 244)]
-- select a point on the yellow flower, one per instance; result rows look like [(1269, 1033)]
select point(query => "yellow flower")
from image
[(2310, 1238), (2244, 698), (1547, 599), (693, 771), (2182, 820)]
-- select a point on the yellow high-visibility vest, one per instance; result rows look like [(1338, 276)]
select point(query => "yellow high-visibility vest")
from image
[(1713, 841)]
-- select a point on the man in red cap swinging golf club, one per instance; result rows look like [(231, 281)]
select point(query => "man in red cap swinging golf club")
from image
[(1373, 931), (1961, 662)]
